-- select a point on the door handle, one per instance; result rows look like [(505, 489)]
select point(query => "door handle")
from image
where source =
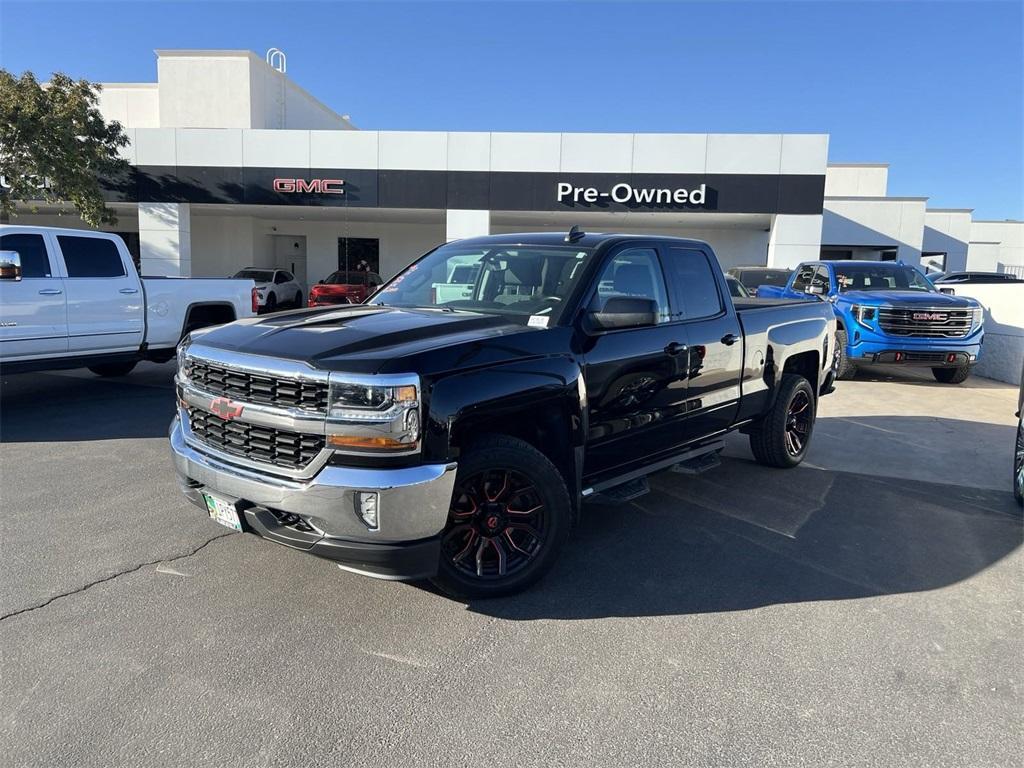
[(129, 290), (51, 292), (675, 348), (729, 339)]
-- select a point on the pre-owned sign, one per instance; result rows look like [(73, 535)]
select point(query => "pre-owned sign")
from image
[(624, 192)]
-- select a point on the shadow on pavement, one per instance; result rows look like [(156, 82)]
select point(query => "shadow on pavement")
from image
[(744, 536), (69, 407), (920, 377)]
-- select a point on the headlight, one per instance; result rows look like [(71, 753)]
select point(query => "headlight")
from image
[(977, 318), (864, 315), (182, 353), (373, 414)]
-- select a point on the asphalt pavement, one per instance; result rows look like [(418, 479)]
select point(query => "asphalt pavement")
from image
[(864, 609)]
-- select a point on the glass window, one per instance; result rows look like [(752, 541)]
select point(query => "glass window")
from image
[(803, 278), (280, 277), (358, 254), (32, 250), (693, 281), (821, 279), (90, 256), (881, 276), (636, 273), (517, 281)]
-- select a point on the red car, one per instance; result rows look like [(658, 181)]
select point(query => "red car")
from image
[(344, 288)]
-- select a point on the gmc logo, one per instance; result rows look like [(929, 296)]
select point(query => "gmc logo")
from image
[(316, 186), (936, 316)]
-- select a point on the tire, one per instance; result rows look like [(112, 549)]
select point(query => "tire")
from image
[(845, 370), (106, 370), (484, 535), (271, 305), (956, 375), (298, 300), (1018, 464), (782, 437)]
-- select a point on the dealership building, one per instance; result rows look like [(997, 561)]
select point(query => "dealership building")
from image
[(233, 164)]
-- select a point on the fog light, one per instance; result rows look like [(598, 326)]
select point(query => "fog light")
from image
[(368, 508), (899, 356), (951, 357)]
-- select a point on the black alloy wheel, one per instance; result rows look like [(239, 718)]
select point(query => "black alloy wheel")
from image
[(509, 516), (1018, 464), (798, 423), (498, 525)]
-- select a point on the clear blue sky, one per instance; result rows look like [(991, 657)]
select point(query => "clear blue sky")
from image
[(933, 88)]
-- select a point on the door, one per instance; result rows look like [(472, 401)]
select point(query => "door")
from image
[(105, 303), (33, 310), (635, 377), (715, 355), (290, 256)]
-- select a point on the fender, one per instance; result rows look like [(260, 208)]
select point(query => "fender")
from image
[(538, 400)]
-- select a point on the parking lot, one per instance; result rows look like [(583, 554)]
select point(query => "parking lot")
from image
[(862, 609)]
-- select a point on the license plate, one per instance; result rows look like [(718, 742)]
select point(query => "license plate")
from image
[(223, 512)]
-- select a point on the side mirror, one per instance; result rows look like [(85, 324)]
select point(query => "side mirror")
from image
[(623, 312), (320, 282), (10, 265), (949, 291), (815, 290)]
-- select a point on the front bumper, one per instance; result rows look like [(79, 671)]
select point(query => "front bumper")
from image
[(319, 515), (931, 353)]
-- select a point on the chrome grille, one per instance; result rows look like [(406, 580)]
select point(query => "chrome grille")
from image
[(279, 447), (929, 322), (257, 388)]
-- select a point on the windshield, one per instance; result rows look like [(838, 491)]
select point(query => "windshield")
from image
[(516, 280), (880, 277), (751, 278), (259, 275)]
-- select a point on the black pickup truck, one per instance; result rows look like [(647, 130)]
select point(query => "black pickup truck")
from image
[(457, 440)]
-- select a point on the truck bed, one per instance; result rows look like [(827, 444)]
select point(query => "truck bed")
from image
[(752, 303)]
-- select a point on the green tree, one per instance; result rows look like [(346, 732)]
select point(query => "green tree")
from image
[(55, 145)]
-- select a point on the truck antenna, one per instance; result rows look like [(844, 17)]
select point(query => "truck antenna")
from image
[(575, 233)]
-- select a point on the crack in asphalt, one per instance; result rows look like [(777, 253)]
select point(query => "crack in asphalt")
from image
[(133, 569)]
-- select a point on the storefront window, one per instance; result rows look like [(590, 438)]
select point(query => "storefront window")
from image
[(359, 254)]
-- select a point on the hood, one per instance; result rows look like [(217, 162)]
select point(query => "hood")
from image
[(907, 299), (357, 338)]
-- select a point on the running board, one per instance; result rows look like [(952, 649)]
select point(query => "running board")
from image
[(705, 453), (698, 464), (627, 491)]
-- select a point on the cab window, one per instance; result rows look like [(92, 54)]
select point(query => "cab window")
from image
[(32, 251), (804, 276), (694, 286), (90, 256), (635, 273)]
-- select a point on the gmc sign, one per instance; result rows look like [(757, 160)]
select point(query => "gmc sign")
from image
[(316, 186)]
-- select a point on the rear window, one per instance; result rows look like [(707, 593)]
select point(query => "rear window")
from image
[(90, 256), (32, 251), (751, 278)]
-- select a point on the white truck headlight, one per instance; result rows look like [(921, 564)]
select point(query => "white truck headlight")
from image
[(864, 315), (373, 414), (182, 353)]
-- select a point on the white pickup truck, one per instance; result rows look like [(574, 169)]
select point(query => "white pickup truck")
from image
[(73, 299)]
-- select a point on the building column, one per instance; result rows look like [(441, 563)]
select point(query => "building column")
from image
[(794, 239), (465, 223), (165, 239)]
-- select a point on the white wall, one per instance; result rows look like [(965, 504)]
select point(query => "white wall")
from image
[(734, 247), (1002, 354), (856, 180), (224, 244), (890, 222), (133, 105), (996, 245), (203, 91), (221, 245), (794, 239), (948, 232)]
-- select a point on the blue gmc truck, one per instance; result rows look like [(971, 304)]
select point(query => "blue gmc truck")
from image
[(889, 313)]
